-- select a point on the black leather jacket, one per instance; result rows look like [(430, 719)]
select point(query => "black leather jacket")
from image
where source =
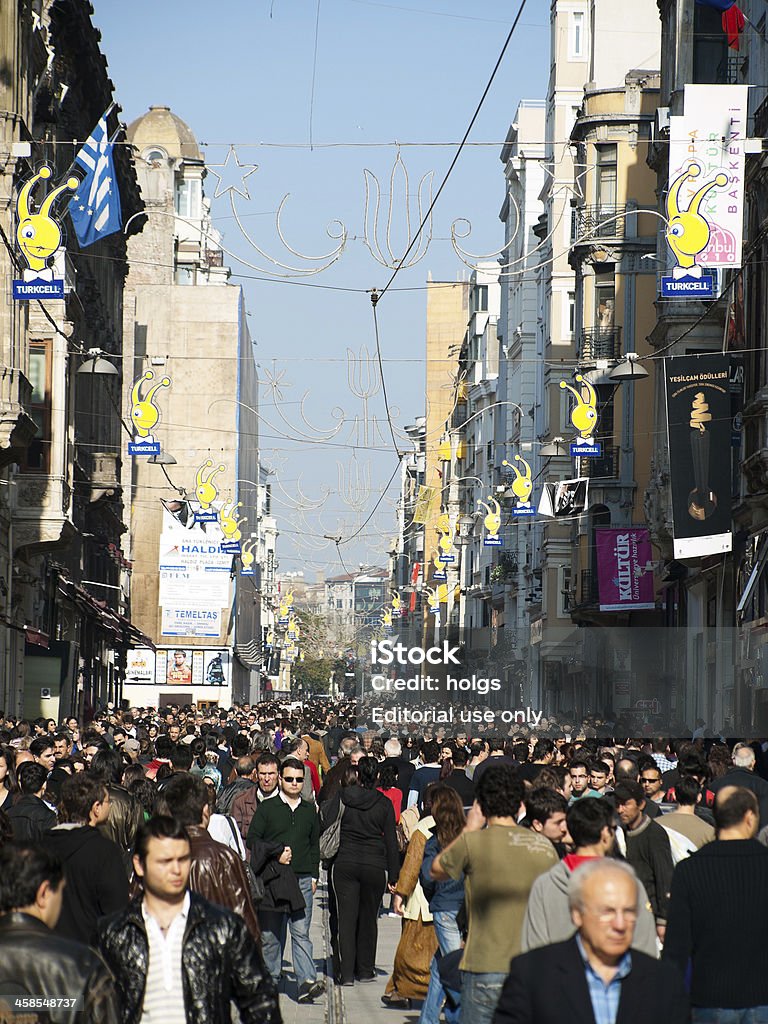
[(220, 962), (35, 962)]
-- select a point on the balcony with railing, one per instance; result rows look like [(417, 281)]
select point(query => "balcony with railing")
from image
[(600, 343), (587, 594), (604, 467), (602, 222)]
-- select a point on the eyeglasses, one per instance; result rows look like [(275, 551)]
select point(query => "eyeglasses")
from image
[(293, 778)]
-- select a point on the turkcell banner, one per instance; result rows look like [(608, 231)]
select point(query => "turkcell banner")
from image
[(624, 569), (699, 427), (705, 201)]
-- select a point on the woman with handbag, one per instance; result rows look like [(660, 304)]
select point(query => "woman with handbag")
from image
[(367, 855)]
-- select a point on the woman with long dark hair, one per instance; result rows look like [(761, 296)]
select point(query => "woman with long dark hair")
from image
[(445, 898), (367, 857), (7, 776)]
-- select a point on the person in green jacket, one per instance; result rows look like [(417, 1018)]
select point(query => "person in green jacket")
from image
[(292, 821)]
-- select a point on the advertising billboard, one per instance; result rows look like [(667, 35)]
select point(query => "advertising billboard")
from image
[(179, 666), (194, 570), (624, 569), (699, 431), (705, 200)]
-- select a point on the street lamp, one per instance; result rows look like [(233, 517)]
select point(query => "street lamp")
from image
[(554, 448), (98, 366), (629, 369), (164, 458)]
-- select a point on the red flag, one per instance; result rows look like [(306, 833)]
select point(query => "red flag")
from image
[(733, 25)]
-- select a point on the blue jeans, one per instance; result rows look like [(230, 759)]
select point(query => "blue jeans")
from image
[(479, 996), (713, 1015), (274, 933), (448, 939)]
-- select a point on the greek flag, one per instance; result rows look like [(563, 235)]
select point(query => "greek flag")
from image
[(95, 207)]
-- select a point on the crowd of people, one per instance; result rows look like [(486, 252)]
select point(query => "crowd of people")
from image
[(154, 863)]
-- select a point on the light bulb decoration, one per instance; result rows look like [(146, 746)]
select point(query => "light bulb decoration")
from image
[(522, 487), (145, 414), (492, 523), (688, 234), (447, 551), (294, 630), (584, 417), (230, 527), (38, 236), (206, 491), (284, 609), (435, 597), (397, 603), (248, 557)]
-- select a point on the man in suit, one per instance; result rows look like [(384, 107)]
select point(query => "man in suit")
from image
[(594, 978)]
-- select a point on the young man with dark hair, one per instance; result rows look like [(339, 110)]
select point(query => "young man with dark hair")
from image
[(30, 816), (291, 822), (547, 916), (93, 865), (41, 748), (684, 818), (33, 960), (429, 772), (717, 929), (217, 873), (648, 848), (543, 755), (500, 863), (599, 774), (176, 957), (545, 811)]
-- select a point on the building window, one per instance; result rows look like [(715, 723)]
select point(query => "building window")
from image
[(606, 159), (480, 299), (185, 273), (571, 312), (577, 47), (711, 64), (37, 456), (155, 156), (564, 596), (188, 193)]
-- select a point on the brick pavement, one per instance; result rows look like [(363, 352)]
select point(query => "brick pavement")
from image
[(359, 1005)]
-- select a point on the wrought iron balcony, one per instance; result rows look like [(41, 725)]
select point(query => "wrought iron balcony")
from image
[(600, 343), (600, 222), (587, 592), (605, 467)]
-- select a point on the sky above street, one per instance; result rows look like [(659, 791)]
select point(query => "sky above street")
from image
[(354, 78)]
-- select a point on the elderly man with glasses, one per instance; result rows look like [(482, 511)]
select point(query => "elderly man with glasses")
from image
[(291, 821), (597, 975)]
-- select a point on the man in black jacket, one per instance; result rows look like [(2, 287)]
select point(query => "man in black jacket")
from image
[(212, 960), (93, 865), (716, 918), (31, 816), (743, 774), (34, 961), (594, 976)]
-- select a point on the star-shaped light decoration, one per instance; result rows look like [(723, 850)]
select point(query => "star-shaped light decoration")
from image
[(274, 382), (233, 170)]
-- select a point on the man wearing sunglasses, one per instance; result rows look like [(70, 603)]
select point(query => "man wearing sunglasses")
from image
[(291, 821)]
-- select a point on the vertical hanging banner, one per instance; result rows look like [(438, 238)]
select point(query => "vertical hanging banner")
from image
[(624, 569), (699, 430), (705, 201)]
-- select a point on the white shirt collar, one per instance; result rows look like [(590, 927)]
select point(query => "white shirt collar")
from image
[(182, 914)]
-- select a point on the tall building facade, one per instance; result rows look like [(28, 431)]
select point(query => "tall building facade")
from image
[(186, 330), (64, 627)]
